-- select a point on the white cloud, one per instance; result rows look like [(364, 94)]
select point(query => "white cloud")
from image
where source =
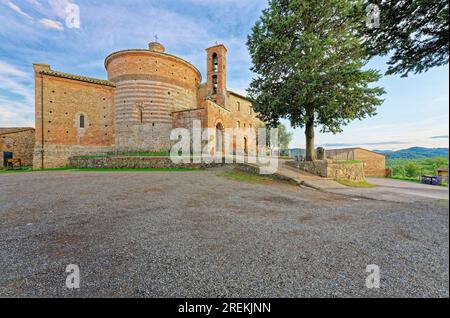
[(35, 3), (14, 80), (11, 117), (15, 86), (59, 7), (229, 3), (9, 70), (16, 8), (51, 24), (16, 96)]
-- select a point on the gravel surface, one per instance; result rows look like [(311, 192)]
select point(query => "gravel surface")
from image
[(198, 234)]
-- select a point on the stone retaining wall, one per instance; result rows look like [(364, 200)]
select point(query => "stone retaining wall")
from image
[(318, 168), (134, 163), (353, 171), (346, 171), (160, 163), (58, 156)]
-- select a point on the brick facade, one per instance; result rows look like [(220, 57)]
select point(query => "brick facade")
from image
[(74, 115), (147, 94)]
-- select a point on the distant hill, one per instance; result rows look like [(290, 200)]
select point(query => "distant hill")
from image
[(296, 152), (415, 153)]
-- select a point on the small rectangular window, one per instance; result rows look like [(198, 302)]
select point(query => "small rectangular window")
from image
[(81, 121)]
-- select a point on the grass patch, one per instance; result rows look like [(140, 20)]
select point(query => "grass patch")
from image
[(353, 184), (416, 180), (24, 169), (245, 177), (127, 154), (105, 170), (347, 161)]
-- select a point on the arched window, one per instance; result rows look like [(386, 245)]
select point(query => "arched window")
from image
[(140, 113), (219, 139), (82, 121), (215, 84), (245, 145), (215, 60), (238, 106)]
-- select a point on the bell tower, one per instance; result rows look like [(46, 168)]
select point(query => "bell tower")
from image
[(216, 70)]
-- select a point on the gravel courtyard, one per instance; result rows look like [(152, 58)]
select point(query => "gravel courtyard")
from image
[(200, 234)]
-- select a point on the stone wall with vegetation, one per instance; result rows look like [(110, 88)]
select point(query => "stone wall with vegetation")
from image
[(315, 167), (135, 162)]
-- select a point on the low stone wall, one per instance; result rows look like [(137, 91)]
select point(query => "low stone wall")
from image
[(58, 156), (315, 167), (352, 171), (134, 163), (160, 163), (346, 171)]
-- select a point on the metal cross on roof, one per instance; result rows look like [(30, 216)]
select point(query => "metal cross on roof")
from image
[(156, 37)]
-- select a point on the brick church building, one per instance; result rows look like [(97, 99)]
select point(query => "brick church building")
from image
[(148, 93)]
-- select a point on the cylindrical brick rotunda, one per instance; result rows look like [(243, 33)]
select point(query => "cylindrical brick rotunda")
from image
[(150, 86)]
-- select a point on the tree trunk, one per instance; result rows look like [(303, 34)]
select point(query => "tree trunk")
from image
[(309, 132)]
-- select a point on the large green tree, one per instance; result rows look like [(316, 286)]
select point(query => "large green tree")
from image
[(309, 61), (414, 32)]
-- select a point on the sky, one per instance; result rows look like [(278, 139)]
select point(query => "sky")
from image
[(415, 111)]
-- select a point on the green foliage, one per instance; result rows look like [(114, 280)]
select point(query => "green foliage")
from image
[(414, 168), (348, 161), (284, 136), (309, 62), (432, 164), (246, 177), (103, 170), (415, 32), (129, 154), (353, 184), (398, 171), (416, 153)]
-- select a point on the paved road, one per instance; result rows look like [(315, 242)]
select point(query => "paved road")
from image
[(387, 189), (395, 191), (412, 188), (199, 234)]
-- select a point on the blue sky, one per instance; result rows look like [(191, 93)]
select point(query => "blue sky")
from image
[(415, 112)]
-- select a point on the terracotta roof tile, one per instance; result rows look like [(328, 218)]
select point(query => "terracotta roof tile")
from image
[(10, 130), (78, 77)]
